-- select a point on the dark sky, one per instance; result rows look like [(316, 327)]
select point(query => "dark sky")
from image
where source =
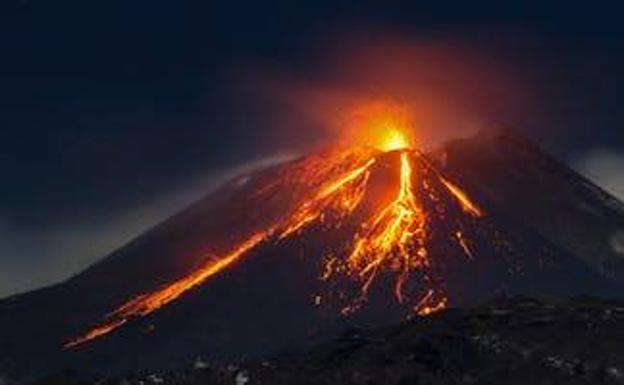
[(114, 114)]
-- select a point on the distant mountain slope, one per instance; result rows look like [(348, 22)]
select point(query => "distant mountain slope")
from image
[(527, 183)]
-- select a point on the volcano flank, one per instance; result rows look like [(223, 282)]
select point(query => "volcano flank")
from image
[(286, 256)]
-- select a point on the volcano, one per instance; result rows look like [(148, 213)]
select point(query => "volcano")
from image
[(283, 257)]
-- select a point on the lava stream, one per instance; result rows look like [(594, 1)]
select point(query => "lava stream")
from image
[(147, 303), (466, 204), (345, 202), (394, 237), (340, 194)]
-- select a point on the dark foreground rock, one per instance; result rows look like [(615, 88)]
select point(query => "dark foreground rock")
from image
[(516, 341)]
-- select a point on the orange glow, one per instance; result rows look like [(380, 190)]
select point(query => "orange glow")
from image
[(147, 303), (390, 236), (342, 194), (387, 236), (385, 125), (428, 304), (394, 140), (96, 332), (467, 205), (439, 81), (464, 244), (394, 239)]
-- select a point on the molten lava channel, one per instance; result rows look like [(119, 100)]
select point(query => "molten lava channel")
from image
[(386, 238), (391, 239)]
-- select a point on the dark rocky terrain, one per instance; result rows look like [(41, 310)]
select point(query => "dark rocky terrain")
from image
[(512, 341), (525, 182)]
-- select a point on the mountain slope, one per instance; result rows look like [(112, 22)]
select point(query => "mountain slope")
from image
[(524, 181), (291, 255)]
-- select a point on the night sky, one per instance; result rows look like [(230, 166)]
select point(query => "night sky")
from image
[(115, 114)]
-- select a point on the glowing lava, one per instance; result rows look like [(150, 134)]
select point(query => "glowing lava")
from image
[(394, 140), (394, 237), (342, 194), (147, 303), (385, 125), (390, 238), (466, 203)]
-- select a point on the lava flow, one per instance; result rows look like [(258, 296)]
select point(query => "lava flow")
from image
[(390, 237), (387, 237), (147, 303)]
